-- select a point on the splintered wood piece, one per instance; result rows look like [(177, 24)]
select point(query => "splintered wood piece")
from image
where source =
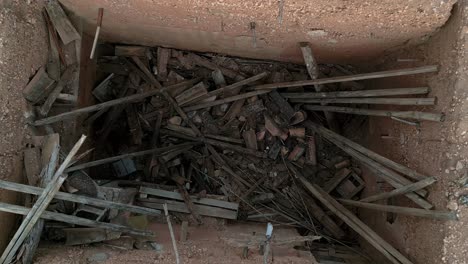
[(253, 108), (297, 152), (250, 139), (402, 190), (61, 22), (39, 86), (134, 124), (191, 94), (32, 164), (437, 215), (299, 117), (234, 110), (310, 62), (97, 107), (227, 139), (384, 101), (311, 151), (274, 129), (298, 132), (66, 77), (129, 51), (336, 180), (101, 92), (286, 111), (342, 164), (356, 77), (185, 130), (175, 120), (162, 59), (362, 93), (436, 117), (198, 60)]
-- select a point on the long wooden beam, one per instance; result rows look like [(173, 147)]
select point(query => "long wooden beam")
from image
[(17, 187), (159, 151), (436, 117), (224, 100), (355, 223), (357, 77), (15, 209), (360, 93), (97, 107), (383, 101), (438, 215), (402, 190)]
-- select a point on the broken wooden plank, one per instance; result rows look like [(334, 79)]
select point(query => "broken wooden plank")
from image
[(227, 139), (234, 110), (286, 111), (134, 124), (17, 187), (402, 190), (311, 151), (437, 215), (101, 92), (191, 95), (297, 152), (356, 77), (61, 22), (436, 117), (250, 139), (363, 93), (184, 231), (158, 151), (374, 100), (32, 164), (39, 206), (297, 132), (64, 79), (163, 57), (357, 225), (178, 196), (182, 208), (181, 129), (201, 61), (129, 51), (224, 100), (15, 209), (97, 107), (39, 86)]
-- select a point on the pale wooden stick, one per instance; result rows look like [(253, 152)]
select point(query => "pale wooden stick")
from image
[(436, 117), (169, 224), (40, 206), (384, 101), (402, 190), (361, 93), (357, 77), (438, 215), (98, 29)]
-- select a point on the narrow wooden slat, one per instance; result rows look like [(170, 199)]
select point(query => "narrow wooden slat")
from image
[(357, 77), (436, 117), (438, 215), (178, 196), (360, 93), (224, 100), (382, 101), (402, 190), (97, 107), (182, 208), (61, 22)]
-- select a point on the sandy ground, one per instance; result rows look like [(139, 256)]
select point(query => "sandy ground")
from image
[(23, 49), (339, 30), (435, 149)]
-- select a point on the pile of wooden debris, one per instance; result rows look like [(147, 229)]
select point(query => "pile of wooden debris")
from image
[(205, 135)]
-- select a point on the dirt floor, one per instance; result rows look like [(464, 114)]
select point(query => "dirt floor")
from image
[(435, 149), (23, 49), (351, 30)]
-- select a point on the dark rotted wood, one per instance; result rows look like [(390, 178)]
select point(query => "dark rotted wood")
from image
[(192, 94), (286, 111), (134, 124), (356, 94), (225, 100), (250, 139), (163, 57)]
